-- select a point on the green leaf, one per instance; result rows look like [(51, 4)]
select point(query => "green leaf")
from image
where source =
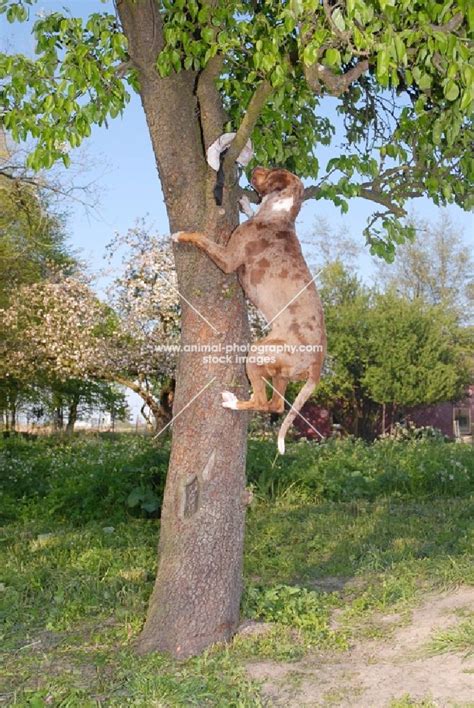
[(48, 103), (207, 34), (467, 99), (278, 76), (424, 82), (359, 39), (310, 54), (401, 51), (11, 14), (338, 19), (383, 62), (268, 62), (175, 60), (151, 503), (21, 14), (296, 7), (135, 497), (203, 14), (451, 90), (332, 57), (437, 133)]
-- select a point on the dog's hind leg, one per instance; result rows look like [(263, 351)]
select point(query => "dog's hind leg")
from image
[(258, 400), (279, 384)]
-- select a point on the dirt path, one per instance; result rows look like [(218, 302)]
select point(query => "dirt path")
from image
[(374, 673)]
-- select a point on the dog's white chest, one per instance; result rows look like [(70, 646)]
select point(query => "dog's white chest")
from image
[(283, 204)]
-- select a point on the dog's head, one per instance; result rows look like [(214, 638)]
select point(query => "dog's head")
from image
[(266, 181)]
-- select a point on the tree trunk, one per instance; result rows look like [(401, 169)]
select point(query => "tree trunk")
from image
[(13, 417), (166, 403), (72, 416), (196, 597), (58, 414), (147, 398), (58, 420)]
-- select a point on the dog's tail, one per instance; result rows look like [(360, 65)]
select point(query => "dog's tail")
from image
[(300, 400)]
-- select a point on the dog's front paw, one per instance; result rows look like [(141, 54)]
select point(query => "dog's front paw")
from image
[(229, 400), (245, 206), (180, 237), (187, 237)]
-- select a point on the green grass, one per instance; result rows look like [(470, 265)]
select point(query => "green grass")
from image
[(407, 702), (74, 588), (459, 638)]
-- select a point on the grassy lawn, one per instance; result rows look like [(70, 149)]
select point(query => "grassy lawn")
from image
[(330, 534)]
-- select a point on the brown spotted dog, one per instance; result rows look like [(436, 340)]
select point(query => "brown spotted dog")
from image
[(267, 256)]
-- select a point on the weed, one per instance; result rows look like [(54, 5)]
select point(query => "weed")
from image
[(459, 638), (407, 702)]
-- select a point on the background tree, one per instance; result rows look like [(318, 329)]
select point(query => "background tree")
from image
[(401, 75), (436, 267), (33, 243), (33, 214), (327, 246), (146, 300), (387, 350), (415, 353), (64, 403), (347, 312), (60, 336)]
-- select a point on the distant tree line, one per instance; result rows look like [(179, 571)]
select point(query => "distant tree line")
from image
[(406, 340)]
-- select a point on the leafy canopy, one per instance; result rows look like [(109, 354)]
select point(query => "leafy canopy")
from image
[(416, 353), (32, 239), (387, 349), (398, 72)]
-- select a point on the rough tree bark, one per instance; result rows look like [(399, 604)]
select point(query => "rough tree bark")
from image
[(196, 597), (58, 413), (157, 410), (72, 415)]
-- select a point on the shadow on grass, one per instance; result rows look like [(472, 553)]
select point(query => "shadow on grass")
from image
[(343, 541)]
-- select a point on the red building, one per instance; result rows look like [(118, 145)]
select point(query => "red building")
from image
[(455, 420)]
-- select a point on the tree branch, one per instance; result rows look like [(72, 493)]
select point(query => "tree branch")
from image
[(317, 74), (10, 180), (379, 198), (249, 120), (451, 26), (144, 394), (365, 192), (145, 22), (212, 114), (251, 195), (312, 192), (122, 68), (327, 11)]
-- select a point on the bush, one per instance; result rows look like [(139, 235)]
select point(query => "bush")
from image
[(102, 479), (409, 431), (342, 470), (82, 479)]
